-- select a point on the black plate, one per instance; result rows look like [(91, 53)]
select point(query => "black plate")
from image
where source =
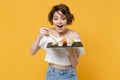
[(75, 44)]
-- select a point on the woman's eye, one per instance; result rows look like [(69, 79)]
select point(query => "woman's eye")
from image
[(63, 18), (55, 18)]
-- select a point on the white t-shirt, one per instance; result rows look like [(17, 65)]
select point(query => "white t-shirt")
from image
[(58, 56)]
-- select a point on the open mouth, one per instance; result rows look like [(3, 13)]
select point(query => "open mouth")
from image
[(59, 26)]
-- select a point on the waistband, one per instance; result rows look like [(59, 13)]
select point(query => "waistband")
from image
[(59, 66), (51, 68)]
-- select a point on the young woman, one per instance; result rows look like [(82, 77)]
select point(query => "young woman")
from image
[(62, 61)]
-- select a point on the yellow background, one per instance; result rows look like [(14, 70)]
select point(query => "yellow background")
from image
[(98, 22)]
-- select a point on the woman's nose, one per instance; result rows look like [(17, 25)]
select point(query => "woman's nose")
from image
[(59, 21)]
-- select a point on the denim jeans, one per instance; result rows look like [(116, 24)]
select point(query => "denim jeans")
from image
[(58, 74)]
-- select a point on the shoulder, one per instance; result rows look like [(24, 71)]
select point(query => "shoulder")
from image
[(74, 34)]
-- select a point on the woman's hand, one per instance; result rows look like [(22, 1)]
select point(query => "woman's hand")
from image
[(44, 31)]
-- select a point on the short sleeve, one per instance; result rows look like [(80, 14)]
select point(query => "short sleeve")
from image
[(79, 50), (43, 42)]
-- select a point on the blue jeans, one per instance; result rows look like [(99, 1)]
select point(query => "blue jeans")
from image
[(58, 74)]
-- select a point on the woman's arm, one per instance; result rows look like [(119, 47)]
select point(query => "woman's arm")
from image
[(73, 53), (73, 57), (35, 45)]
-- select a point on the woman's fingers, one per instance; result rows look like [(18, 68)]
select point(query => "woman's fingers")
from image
[(44, 31)]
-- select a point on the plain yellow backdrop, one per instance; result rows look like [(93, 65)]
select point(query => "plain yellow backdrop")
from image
[(97, 21)]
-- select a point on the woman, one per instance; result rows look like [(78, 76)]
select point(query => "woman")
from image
[(62, 61)]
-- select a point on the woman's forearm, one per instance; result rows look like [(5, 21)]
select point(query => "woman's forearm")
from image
[(35, 45), (73, 58)]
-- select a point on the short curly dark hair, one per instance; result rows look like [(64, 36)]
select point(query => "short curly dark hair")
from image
[(64, 9)]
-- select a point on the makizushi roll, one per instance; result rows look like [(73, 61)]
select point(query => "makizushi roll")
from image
[(54, 43), (70, 42)]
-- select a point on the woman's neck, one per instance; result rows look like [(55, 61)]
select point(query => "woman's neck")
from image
[(60, 34)]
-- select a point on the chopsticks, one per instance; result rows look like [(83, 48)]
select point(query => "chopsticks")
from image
[(53, 36)]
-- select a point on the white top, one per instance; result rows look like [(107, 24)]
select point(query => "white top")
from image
[(58, 56)]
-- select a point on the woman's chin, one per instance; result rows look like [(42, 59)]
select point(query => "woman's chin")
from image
[(60, 31)]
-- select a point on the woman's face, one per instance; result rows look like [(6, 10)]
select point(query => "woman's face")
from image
[(59, 21)]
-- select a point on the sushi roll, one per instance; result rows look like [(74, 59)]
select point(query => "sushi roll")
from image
[(70, 42), (62, 42), (54, 43)]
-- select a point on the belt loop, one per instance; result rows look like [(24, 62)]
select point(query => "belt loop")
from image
[(53, 69)]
